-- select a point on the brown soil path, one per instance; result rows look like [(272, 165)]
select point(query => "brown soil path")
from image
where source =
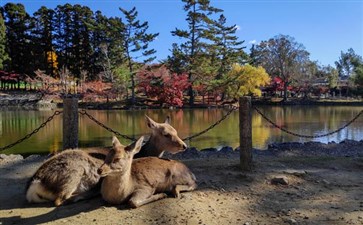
[(320, 190)]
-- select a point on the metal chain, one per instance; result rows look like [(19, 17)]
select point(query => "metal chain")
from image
[(308, 136), (133, 139), (33, 132), (84, 112), (212, 126)]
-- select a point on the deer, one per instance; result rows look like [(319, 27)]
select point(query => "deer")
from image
[(163, 137), (143, 180), (68, 176), (72, 175)]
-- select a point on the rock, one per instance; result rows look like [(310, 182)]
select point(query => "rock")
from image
[(280, 180), (325, 182), (11, 157), (187, 154), (298, 173), (226, 150), (291, 221)]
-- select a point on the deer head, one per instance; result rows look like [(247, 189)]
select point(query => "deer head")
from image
[(165, 136), (119, 159)]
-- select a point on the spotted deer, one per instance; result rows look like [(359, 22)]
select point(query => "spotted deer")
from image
[(72, 174), (143, 180)]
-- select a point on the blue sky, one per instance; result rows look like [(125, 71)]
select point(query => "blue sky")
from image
[(324, 27)]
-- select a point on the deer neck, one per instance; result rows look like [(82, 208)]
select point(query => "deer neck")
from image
[(151, 147), (117, 188)]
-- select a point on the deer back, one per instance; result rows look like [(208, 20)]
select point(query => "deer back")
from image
[(160, 174), (70, 166)]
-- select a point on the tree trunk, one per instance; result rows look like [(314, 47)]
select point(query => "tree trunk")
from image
[(190, 92), (285, 91)]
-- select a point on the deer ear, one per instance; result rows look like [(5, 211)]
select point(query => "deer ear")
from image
[(150, 123), (138, 145), (116, 143), (167, 120)]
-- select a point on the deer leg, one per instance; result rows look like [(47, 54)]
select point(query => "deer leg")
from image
[(67, 193), (141, 198), (180, 188)]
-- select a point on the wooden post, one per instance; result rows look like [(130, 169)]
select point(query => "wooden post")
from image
[(245, 132), (70, 121)]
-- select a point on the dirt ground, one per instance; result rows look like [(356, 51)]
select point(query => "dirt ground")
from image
[(320, 190)]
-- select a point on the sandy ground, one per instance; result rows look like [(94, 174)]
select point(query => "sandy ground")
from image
[(320, 190)]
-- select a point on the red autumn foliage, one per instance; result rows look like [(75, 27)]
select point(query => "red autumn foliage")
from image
[(96, 91), (159, 83)]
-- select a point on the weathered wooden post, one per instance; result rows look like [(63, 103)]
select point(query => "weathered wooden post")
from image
[(245, 133), (70, 121)]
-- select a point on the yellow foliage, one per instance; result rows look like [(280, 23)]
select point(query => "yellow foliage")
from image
[(247, 80), (52, 61)]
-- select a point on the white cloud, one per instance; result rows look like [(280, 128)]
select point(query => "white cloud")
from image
[(252, 42)]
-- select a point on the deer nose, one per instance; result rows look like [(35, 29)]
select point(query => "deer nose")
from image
[(185, 146), (99, 171)]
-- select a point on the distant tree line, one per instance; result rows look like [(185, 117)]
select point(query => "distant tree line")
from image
[(94, 47)]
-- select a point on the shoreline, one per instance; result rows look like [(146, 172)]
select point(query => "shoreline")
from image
[(34, 100), (346, 148)]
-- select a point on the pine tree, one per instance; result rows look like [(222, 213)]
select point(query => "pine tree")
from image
[(42, 37), (136, 44), (192, 51), (228, 50), (73, 38), (81, 39), (3, 54), (62, 34), (18, 25), (98, 29)]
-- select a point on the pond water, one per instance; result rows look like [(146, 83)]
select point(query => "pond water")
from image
[(307, 120)]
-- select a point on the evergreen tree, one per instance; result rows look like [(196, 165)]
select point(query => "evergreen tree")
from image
[(81, 39), (228, 50), (347, 63), (193, 50), (62, 34), (136, 44), (73, 38), (98, 29), (3, 54), (18, 24), (42, 37)]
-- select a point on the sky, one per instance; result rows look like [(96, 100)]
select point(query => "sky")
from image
[(324, 27)]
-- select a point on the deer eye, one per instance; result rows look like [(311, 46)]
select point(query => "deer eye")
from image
[(167, 135)]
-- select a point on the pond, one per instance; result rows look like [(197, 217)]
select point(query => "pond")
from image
[(306, 120)]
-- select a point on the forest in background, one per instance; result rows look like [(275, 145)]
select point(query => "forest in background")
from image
[(73, 49)]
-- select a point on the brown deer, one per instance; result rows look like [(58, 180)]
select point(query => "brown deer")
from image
[(69, 175), (142, 180), (72, 174), (163, 137)]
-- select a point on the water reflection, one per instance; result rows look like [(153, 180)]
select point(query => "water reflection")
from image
[(304, 120)]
